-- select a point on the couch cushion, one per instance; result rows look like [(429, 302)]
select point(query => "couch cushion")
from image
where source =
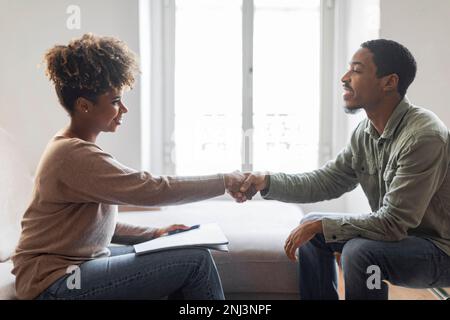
[(256, 230), (15, 190), (7, 290)]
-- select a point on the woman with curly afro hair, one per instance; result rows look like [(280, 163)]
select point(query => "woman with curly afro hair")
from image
[(71, 220)]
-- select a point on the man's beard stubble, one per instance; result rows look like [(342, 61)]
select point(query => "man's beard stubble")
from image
[(352, 110)]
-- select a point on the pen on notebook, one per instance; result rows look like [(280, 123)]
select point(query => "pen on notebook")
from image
[(182, 230)]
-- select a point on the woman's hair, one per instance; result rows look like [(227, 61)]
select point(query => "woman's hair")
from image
[(88, 67)]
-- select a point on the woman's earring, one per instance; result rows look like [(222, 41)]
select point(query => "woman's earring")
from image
[(86, 110)]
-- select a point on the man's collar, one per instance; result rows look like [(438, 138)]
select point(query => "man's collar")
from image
[(393, 122)]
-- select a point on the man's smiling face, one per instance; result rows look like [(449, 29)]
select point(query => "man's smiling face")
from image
[(362, 87)]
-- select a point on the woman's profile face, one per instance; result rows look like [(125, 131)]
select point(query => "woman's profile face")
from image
[(106, 114)]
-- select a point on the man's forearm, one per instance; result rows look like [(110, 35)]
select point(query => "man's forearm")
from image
[(304, 188)]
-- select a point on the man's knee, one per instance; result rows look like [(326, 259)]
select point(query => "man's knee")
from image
[(316, 243), (358, 254)]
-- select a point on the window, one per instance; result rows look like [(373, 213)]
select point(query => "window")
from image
[(242, 87), (286, 84), (208, 86)]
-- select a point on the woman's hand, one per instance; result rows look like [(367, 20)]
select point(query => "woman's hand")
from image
[(162, 231), (233, 181)]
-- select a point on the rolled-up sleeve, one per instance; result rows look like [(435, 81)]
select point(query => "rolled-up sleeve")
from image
[(421, 169), (331, 181)]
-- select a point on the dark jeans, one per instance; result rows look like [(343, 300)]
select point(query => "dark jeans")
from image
[(177, 274), (412, 262)]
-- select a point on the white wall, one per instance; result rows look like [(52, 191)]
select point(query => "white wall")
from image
[(28, 107), (424, 28)]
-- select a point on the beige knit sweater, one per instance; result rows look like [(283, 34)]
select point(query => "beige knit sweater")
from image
[(72, 215)]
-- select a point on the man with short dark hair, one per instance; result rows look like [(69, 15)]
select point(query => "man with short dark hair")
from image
[(400, 157)]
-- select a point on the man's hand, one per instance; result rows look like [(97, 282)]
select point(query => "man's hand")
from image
[(254, 182), (301, 235), (247, 187)]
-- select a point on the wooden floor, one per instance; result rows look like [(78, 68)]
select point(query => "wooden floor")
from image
[(396, 293)]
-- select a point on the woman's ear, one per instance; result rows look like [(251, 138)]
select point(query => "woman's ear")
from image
[(82, 105), (391, 82)]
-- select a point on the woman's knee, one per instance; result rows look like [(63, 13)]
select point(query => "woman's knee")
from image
[(201, 255), (188, 258)]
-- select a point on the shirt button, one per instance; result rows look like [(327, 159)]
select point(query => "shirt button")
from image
[(334, 237)]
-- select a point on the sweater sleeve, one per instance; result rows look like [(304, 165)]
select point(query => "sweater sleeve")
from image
[(88, 174), (129, 234)]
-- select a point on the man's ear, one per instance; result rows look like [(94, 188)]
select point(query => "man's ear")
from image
[(82, 105), (390, 83)]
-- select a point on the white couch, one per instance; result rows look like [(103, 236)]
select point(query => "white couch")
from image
[(255, 268)]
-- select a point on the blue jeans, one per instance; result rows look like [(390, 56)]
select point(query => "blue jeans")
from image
[(188, 273), (412, 262)]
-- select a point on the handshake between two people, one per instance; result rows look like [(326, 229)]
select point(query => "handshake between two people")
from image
[(243, 186)]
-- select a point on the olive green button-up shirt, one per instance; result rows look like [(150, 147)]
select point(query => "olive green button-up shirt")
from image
[(403, 172)]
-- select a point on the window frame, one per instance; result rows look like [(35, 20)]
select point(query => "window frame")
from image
[(157, 50)]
